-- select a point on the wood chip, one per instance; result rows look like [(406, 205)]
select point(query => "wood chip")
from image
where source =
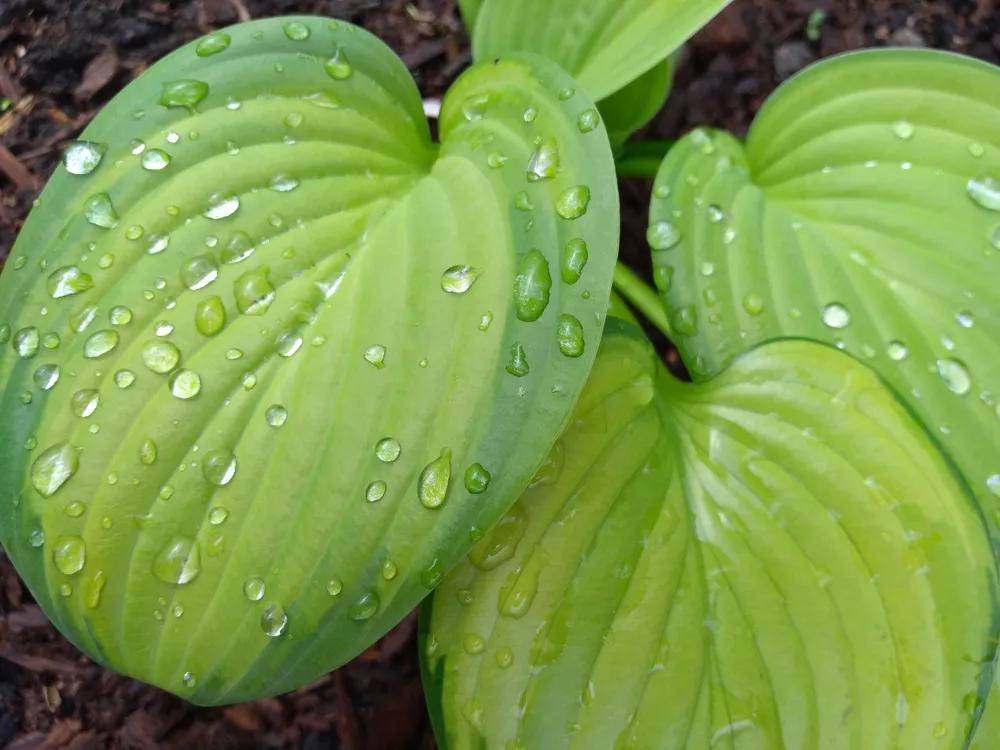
[(61, 733), (99, 73), (16, 171), (41, 664)]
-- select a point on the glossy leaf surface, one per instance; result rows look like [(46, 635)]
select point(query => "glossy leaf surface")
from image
[(629, 109), (605, 44), (779, 557), (257, 336), (863, 211)]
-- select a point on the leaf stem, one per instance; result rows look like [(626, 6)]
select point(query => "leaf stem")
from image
[(642, 158), (641, 296)]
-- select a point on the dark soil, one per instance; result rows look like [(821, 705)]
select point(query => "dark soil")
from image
[(62, 60)]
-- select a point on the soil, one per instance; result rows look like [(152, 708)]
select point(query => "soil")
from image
[(62, 60)]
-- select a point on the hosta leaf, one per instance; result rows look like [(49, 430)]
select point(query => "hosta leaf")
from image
[(629, 109), (291, 356), (863, 211), (605, 44), (470, 11), (776, 558)]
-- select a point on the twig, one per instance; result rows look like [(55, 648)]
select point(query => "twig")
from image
[(241, 10), (16, 171)]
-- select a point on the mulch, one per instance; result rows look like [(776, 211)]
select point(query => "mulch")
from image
[(61, 61)]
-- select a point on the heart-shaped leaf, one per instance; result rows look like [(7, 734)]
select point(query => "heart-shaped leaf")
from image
[(776, 558), (864, 211), (272, 359), (629, 109), (605, 44)]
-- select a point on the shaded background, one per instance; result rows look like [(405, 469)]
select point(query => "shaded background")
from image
[(62, 60)]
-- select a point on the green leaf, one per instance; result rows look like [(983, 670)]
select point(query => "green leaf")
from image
[(242, 402), (470, 11), (859, 213), (605, 44), (779, 557), (627, 110)]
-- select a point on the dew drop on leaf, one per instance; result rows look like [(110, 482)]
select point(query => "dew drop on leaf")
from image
[(530, 115), (99, 211), (283, 183), (36, 538), (570, 336), (213, 44), (154, 160), (221, 206), (477, 479), (178, 561), (53, 468), (81, 320), (376, 355), (518, 365), (387, 449), (100, 344), (485, 320), (82, 157), (147, 452), (210, 316), (254, 292), (276, 415), (26, 342), (993, 484), (334, 587), (218, 515), (84, 403), (663, 235), (836, 315), (296, 31), (74, 509), (253, 589), (474, 108), (273, 621), (685, 320), (160, 356), (288, 344), (544, 162), (432, 485), (903, 129), (505, 657), (522, 201), (219, 467), (95, 587), (532, 286), (119, 315), (4, 333), (753, 304), (365, 608), (588, 120), (375, 491), (124, 378), (572, 203), (46, 377), (459, 279), (158, 243), (69, 554), (338, 67), (389, 570), (433, 573), (965, 319), (199, 272), (955, 376), (985, 192), (184, 93), (495, 160)]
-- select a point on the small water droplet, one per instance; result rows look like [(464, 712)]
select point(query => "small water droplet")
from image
[(178, 561), (474, 108), (574, 259), (530, 114), (147, 453), (253, 589), (572, 203), (570, 336), (432, 486), (274, 621), (518, 365), (218, 515), (495, 160), (74, 509), (532, 286), (965, 319), (505, 657), (338, 67), (544, 162), (288, 344), (977, 150), (94, 589), (84, 403), (588, 121), (282, 183), (254, 292), (955, 376), (940, 730), (477, 479), (82, 157), (276, 415), (46, 376), (836, 315), (26, 342), (184, 93), (993, 484), (221, 206), (199, 272), (161, 356), (375, 491), (473, 644), (210, 316), (69, 554), (485, 320), (36, 538), (434, 573), (157, 243), (387, 449), (753, 304), (293, 120), (219, 467), (100, 344), (99, 211), (365, 607), (376, 355), (163, 328), (389, 570), (213, 44), (154, 160), (334, 587), (663, 235), (685, 320), (296, 31), (903, 129), (119, 315), (124, 378), (458, 279)]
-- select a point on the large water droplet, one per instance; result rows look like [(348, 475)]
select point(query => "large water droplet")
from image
[(477, 479), (185, 93), (221, 206), (572, 203), (178, 561), (69, 554), (97, 209), (82, 157), (458, 279), (432, 486), (199, 272), (160, 356), (26, 342), (387, 449), (100, 343), (570, 336), (46, 376), (296, 31), (67, 281), (544, 162), (154, 160), (663, 235), (210, 316), (685, 320), (53, 468), (213, 44), (365, 608), (254, 292), (338, 67), (588, 120), (518, 365), (219, 467), (276, 415), (240, 247), (273, 621), (185, 384), (985, 192), (84, 403), (574, 260), (119, 315), (532, 286), (253, 589), (836, 315), (955, 376), (376, 491), (288, 344)]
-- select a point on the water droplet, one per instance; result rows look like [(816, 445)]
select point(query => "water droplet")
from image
[(473, 644), (69, 554), (432, 486), (94, 588), (26, 342), (163, 328), (296, 31), (154, 160), (166, 492), (84, 403), (100, 343), (81, 320), (574, 260), (160, 356), (74, 509), (753, 304), (530, 114), (273, 621), (253, 589), (477, 479), (254, 292), (219, 467), (210, 316), (903, 130), (218, 515), (485, 320), (965, 319), (338, 67), (836, 315), (288, 344), (518, 365), (276, 415), (199, 272), (4, 333), (221, 206), (387, 449), (365, 608), (532, 286), (234, 354), (334, 587), (685, 320), (458, 279), (53, 468), (375, 491), (124, 378), (570, 336), (993, 484), (495, 160), (985, 192), (955, 376), (572, 203), (376, 355), (50, 340), (663, 235), (977, 150), (389, 570), (213, 44), (707, 269), (178, 561), (158, 243), (282, 183), (474, 108), (97, 209), (588, 121), (119, 315), (544, 162), (147, 452), (505, 657), (46, 376), (36, 538), (703, 140), (184, 93), (82, 157), (940, 730)]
